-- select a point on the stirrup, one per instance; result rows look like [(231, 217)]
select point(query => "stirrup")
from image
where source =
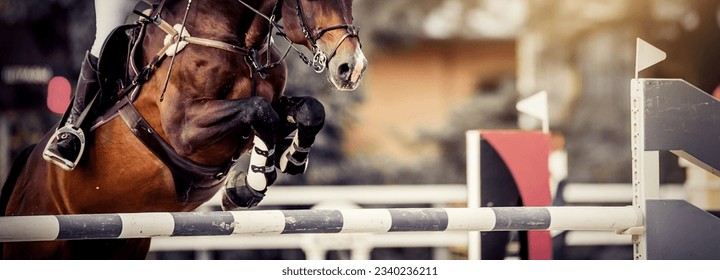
[(59, 160)]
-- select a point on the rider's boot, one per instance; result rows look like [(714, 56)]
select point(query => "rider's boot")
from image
[(66, 146)]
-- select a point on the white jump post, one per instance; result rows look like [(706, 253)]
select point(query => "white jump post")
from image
[(472, 140), (671, 115), (645, 164)]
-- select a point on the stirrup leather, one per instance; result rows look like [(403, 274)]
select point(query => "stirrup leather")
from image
[(58, 160)]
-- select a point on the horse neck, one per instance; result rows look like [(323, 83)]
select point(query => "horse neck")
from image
[(225, 20)]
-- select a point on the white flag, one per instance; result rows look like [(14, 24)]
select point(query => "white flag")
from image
[(536, 106), (647, 55)]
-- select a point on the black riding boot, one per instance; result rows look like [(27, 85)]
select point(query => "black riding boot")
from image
[(66, 146)]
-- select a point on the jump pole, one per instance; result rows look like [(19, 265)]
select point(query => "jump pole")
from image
[(276, 222)]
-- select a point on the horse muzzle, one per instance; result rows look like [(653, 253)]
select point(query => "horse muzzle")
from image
[(345, 69)]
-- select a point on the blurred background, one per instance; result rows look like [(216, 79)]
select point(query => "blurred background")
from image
[(436, 69)]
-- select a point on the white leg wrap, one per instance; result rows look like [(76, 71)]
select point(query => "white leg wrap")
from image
[(257, 180), (289, 152)]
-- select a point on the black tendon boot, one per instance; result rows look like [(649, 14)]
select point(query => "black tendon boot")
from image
[(66, 146)]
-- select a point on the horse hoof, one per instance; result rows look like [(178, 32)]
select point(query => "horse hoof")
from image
[(242, 196), (227, 204), (292, 169)]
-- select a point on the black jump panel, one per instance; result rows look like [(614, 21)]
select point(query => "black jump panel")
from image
[(679, 116)]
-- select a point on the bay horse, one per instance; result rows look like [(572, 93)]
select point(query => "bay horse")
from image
[(223, 97)]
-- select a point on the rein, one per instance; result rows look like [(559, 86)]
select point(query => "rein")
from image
[(177, 46), (180, 36), (319, 61)]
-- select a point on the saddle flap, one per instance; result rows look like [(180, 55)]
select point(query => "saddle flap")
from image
[(115, 61)]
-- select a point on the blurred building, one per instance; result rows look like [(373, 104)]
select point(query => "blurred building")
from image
[(582, 53), (437, 68), (430, 58)]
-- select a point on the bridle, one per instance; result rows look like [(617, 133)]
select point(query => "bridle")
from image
[(320, 59), (318, 63)]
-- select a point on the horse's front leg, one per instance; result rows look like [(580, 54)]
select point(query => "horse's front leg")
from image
[(250, 189), (246, 190), (222, 122), (301, 119)]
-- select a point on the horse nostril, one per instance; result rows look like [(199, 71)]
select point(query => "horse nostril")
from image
[(344, 69)]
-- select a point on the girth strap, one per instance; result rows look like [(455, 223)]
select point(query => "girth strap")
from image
[(194, 183)]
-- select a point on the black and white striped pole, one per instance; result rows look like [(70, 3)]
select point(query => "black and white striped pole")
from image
[(274, 222)]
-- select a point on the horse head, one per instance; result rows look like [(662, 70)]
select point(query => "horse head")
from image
[(326, 28)]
